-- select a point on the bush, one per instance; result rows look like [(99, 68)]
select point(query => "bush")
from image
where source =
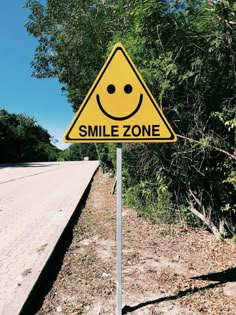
[(77, 152), (104, 157), (151, 199)]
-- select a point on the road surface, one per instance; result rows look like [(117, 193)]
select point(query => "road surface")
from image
[(36, 202)]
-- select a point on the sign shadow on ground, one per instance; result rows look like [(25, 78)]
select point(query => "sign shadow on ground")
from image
[(222, 277)]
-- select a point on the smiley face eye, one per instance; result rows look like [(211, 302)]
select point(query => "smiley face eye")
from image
[(128, 88), (111, 89)]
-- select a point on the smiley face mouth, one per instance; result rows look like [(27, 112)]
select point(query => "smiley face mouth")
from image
[(123, 117)]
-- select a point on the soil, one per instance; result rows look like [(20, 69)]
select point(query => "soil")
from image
[(167, 269)]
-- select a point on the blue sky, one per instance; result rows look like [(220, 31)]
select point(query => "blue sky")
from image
[(19, 91)]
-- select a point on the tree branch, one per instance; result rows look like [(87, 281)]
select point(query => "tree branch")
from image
[(232, 156), (203, 218)]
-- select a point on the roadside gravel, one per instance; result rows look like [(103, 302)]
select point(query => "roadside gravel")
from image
[(166, 269)]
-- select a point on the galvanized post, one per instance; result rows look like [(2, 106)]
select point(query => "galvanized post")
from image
[(119, 229)]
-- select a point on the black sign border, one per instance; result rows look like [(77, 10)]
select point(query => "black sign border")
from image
[(101, 140)]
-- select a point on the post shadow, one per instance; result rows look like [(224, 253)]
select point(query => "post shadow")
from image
[(228, 275), (222, 277)]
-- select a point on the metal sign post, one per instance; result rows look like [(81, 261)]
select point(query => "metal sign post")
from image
[(119, 228)]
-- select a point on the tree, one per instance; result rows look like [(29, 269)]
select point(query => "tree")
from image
[(77, 152), (185, 51), (23, 140), (72, 36)]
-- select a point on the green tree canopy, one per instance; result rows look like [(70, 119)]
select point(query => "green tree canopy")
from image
[(23, 140), (72, 36), (77, 152)]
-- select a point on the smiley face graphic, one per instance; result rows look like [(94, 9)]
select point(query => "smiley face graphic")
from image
[(112, 109), (119, 107)]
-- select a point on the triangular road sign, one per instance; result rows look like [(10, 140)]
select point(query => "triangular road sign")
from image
[(119, 107)]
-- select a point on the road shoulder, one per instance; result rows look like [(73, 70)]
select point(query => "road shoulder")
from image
[(166, 269)]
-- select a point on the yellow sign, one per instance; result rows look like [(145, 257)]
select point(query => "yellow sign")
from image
[(119, 107)]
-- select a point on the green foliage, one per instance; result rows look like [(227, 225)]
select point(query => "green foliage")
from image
[(189, 57), (151, 199), (185, 50), (71, 154), (112, 154), (103, 156), (72, 37), (77, 152), (23, 140), (185, 217)]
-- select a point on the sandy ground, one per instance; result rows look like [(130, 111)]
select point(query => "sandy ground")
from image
[(167, 269)]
